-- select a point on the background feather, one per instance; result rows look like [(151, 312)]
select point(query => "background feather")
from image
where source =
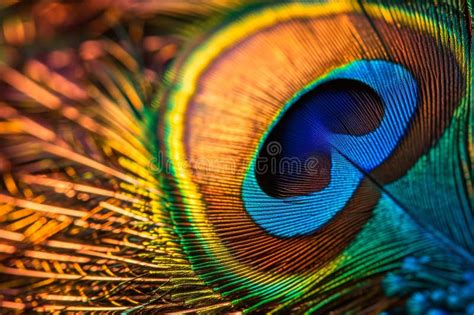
[(85, 225)]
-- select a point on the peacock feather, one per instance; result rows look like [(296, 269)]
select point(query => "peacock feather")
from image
[(238, 156)]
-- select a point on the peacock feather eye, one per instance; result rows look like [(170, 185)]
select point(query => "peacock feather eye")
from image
[(214, 157), (301, 124)]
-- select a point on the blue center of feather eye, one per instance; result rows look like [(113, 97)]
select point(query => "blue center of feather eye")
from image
[(314, 156)]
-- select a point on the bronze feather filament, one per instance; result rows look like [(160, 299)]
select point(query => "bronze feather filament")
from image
[(236, 156)]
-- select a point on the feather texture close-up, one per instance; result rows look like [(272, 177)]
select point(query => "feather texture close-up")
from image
[(236, 156)]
